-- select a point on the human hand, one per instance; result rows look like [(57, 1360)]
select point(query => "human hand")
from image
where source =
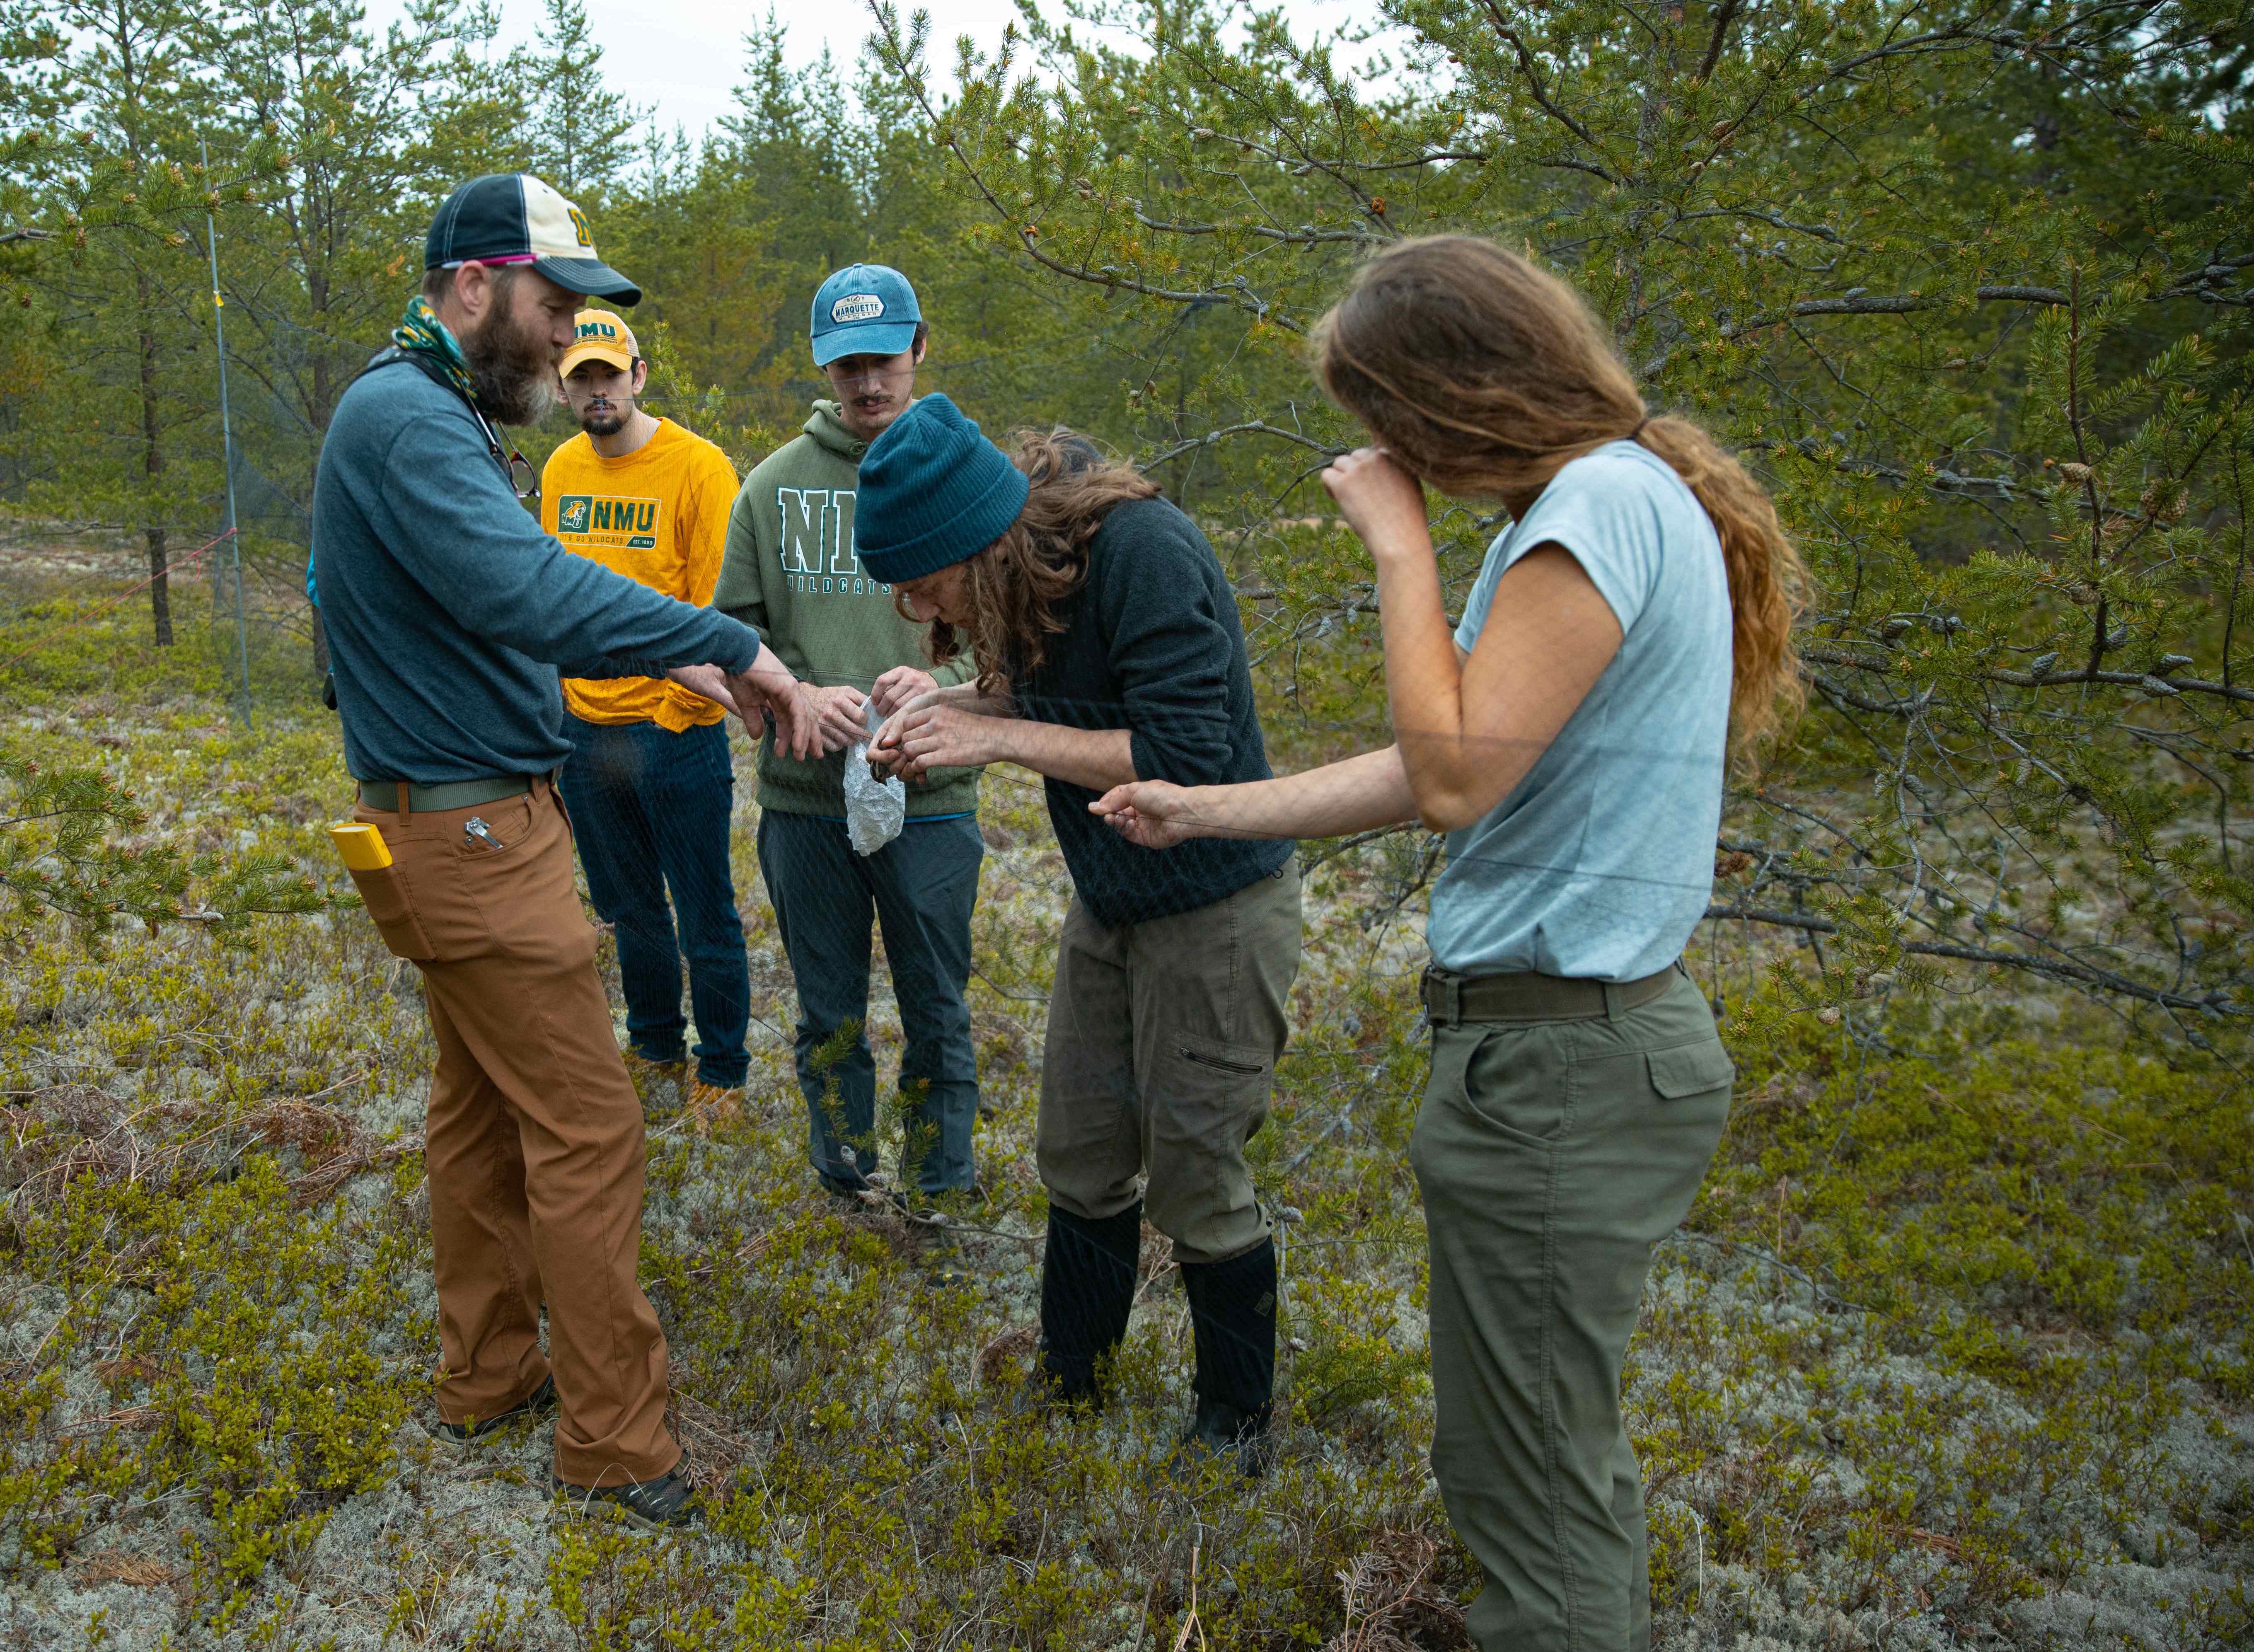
[(932, 734), (893, 690), (841, 713), (747, 699), (707, 680), (1153, 814), (769, 687), (1380, 501)]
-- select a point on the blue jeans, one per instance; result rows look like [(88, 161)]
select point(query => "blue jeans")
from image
[(649, 808), (920, 887)]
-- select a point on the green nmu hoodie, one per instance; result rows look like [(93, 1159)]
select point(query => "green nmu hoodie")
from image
[(790, 572)]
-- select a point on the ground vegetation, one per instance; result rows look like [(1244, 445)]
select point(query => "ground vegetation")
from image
[(1953, 1349)]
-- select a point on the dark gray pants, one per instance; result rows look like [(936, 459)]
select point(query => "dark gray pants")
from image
[(1162, 1046), (921, 888), (1553, 1156)]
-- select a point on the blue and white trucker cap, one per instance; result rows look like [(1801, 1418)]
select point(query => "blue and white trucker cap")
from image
[(864, 309)]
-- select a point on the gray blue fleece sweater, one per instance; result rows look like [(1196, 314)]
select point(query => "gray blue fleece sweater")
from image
[(448, 611)]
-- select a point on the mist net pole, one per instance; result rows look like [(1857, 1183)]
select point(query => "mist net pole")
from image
[(227, 439)]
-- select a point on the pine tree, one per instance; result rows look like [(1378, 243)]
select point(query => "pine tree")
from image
[(1968, 286), (579, 135), (136, 303)]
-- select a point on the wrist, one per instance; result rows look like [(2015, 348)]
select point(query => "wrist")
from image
[(993, 739), (1410, 542)]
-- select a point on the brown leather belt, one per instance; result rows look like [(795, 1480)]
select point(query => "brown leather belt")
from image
[(1451, 999)]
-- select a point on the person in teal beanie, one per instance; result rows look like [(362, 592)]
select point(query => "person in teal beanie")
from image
[(1107, 649)]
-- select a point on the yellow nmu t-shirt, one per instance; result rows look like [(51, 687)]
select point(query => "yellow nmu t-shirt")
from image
[(659, 516)]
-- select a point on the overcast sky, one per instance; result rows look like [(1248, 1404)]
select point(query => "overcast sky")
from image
[(684, 57)]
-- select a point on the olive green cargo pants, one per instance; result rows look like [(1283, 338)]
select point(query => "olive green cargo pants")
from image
[(1553, 1155), (1162, 1044)]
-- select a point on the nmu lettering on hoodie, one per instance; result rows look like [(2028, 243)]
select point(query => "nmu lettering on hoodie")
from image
[(790, 558), (815, 542)]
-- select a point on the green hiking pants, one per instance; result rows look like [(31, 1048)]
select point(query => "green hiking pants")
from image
[(1553, 1155), (1162, 1047)]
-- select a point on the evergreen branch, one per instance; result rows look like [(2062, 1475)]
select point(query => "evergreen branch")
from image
[(1526, 67), (1776, 220), (10, 236), (2217, 1004), (1305, 236), (1858, 303), (1106, 276), (2151, 682), (1725, 15), (1255, 426)]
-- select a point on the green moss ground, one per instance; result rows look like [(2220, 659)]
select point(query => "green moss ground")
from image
[(1953, 1352)]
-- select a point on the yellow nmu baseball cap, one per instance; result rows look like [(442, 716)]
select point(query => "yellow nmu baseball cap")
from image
[(597, 335)]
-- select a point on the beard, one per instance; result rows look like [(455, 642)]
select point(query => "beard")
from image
[(513, 366), (608, 422)]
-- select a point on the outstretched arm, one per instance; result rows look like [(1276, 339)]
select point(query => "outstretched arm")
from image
[(1357, 795)]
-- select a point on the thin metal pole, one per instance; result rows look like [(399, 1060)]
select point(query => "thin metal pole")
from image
[(227, 438)]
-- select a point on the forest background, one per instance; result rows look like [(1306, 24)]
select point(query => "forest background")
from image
[(1956, 1344)]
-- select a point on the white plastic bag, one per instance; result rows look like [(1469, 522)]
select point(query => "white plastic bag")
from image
[(875, 809)]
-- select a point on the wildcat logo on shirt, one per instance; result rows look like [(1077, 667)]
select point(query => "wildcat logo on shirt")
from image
[(630, 522)]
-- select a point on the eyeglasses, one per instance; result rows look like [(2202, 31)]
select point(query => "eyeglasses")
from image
[(873, 375), (523, 481)]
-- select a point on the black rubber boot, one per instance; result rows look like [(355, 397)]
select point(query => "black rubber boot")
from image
[(1233, 1320), (1088, 1287)]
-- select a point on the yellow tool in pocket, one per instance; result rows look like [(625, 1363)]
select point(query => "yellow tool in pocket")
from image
[(361, 847)]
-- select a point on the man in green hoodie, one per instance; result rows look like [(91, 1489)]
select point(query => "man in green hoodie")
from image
[(790, 570)]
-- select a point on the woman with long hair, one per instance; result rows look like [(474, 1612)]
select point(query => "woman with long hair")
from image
[(1630, 626), (1107, 649)]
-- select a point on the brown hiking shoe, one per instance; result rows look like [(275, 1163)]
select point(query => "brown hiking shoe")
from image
[(712, 1106), (650, 1076)]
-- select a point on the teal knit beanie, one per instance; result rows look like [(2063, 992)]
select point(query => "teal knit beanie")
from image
[(933, 492)]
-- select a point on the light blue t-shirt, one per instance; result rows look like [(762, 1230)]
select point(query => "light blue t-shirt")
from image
[(1600, 863)]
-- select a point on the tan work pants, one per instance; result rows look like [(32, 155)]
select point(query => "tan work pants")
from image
[(534, 1140)]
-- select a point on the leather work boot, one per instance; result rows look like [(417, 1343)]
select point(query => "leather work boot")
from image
[(712, 1107), (538, 1404), (652, 1504)]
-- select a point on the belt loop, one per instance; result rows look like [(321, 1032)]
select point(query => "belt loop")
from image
[(401, 801), (1451, 998), (1613, 1008)]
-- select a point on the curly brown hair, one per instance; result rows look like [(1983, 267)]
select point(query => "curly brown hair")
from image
[(1486, 376), (1017, 583)]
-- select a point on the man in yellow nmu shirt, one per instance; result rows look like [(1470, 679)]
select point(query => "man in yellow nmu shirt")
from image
[(649, 784)]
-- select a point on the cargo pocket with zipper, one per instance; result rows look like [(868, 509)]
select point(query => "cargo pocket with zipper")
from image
[(1215, 1096)]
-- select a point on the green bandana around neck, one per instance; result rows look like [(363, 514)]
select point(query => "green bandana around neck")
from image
[(420, 331)]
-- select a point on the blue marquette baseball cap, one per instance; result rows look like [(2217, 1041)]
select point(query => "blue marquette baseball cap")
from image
[(864, 309)]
